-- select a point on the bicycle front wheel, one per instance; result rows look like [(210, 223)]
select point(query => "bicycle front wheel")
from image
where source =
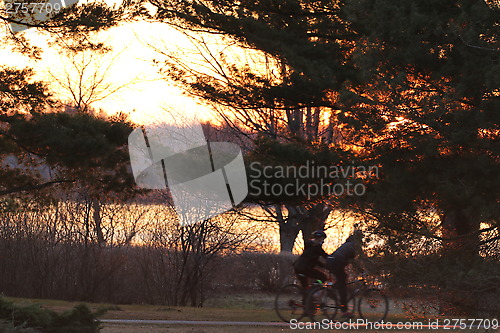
[(289, 302), (322, 304), (373, 305)]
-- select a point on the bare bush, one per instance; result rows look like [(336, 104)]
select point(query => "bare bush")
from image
[(54, 252), (189, 256), (256, 271)]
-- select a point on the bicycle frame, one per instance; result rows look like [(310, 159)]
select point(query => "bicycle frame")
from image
[(360, 285), (359, 294)]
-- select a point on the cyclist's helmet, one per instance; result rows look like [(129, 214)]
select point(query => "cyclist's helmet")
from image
[(319, 234)]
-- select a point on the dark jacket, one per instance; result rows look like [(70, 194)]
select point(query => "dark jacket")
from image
[(343, 254), (309, 258)]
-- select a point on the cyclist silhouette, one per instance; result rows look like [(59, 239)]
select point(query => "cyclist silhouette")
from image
[(305, 265), (338, 260)]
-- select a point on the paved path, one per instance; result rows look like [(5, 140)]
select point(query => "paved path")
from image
[(192, 322), (417, 326)]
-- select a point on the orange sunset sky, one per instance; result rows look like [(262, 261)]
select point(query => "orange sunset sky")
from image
[(147, 97)]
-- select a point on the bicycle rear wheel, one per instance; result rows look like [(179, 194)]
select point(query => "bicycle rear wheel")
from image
[(289, 302), (322, 304), (373, 305), (350, 307)]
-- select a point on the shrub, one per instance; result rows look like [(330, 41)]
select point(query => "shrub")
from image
[(262, 271), (33, 318), (456, 287), (8, 327)]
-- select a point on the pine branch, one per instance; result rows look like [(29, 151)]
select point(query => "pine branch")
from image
[(34, 187)]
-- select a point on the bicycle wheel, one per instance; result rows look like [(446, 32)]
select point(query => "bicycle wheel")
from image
[(373, 305), (352, 293), (321, 303), (289, 302), (350, 306)]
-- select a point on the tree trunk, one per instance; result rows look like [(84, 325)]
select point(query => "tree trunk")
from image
[(288, 228), (299, 219), (461, 240), (314, 219), (460, 234), (96, 205)]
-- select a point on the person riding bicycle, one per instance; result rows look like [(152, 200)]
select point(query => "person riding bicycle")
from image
[(305, 265), (338, 260)]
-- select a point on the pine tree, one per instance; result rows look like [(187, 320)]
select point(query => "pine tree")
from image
[(411, 86), (42, 149), (306, 46), (430, 74)]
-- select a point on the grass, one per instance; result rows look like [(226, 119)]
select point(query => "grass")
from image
[(227, 310), (224, 312), (254, 307)]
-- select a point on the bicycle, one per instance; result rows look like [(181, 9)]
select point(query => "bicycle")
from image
[(370, 302), (290, 302)]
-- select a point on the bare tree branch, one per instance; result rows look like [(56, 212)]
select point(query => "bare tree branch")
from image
[(34, 187)]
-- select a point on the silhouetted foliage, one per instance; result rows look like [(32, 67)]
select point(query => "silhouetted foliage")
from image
[(78, 320)]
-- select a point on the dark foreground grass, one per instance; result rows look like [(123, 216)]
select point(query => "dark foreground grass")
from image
[(253, 307)]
